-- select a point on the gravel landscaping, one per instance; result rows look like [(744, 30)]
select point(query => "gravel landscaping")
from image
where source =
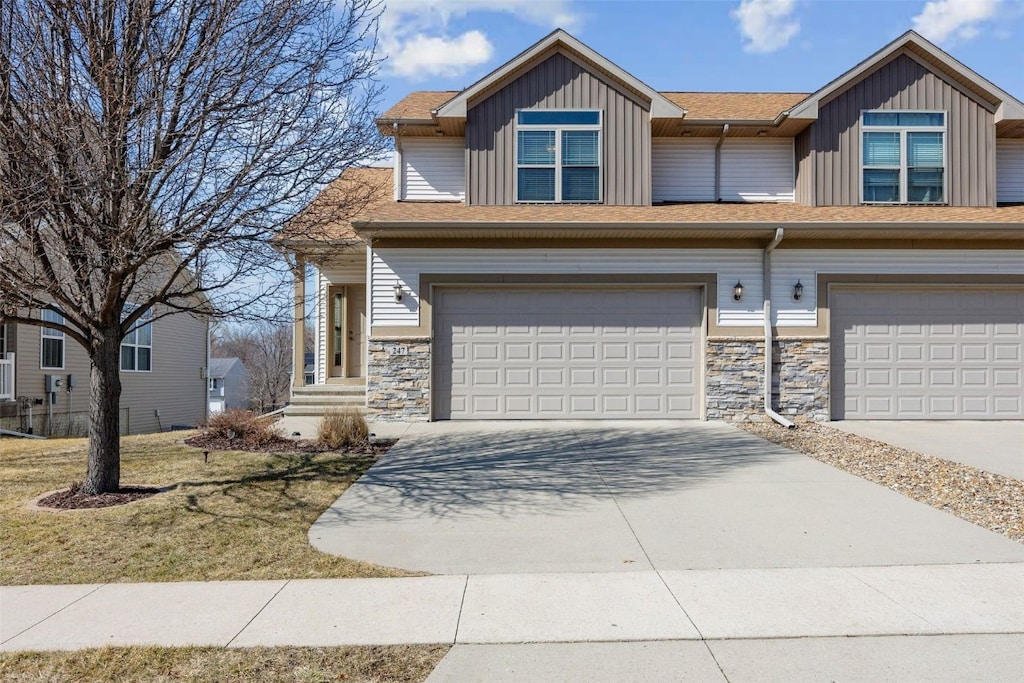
[(992, 501)]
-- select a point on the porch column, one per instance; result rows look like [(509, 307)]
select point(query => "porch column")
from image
[(299, 329)]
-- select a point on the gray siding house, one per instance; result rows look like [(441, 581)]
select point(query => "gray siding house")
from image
[(163, 378), (559, 240), (229, 385)]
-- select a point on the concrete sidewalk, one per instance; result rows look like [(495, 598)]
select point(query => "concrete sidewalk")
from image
[(681, 605)]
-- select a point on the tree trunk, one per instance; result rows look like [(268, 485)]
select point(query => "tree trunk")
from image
[(103, 471)]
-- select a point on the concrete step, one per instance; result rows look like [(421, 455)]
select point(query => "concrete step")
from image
[(331, 400), (293, 410), (330, 390)]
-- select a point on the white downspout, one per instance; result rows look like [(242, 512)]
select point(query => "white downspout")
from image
[(768, 371), (718, 163), (398, 189)]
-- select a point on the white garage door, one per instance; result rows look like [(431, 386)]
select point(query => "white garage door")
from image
[(927, 353), (529, 353)]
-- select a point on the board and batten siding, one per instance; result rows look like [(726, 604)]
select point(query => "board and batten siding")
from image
[(559, 82), (757, 170), (683, 169), (905, 84), (804, 168), (397, 265), (433, 169), (1010, 171), (176, 386), (790, 265)]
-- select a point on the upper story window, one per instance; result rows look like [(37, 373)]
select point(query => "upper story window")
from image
[(903, 157), (137, 345), (51, 344), (558, 155)]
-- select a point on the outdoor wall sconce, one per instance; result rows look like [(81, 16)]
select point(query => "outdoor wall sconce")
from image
[(798, 291), (398, 292), (737, 291)]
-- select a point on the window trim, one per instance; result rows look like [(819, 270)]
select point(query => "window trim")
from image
[(145, 321), (558, 128), (46, 333), (903, 168)]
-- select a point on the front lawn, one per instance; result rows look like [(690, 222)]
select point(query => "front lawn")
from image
[(238, 516)]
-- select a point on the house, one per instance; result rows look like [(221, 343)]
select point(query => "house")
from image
[(559, 240), (44, 377), (229, 385)]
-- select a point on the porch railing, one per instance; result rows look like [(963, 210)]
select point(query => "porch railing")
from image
[(7, 377)]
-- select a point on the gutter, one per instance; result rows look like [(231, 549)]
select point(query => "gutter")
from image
[(718, 162), (768, 369)]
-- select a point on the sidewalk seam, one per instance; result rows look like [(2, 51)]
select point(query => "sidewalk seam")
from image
[(52, 615), (258, 612), (847, 570), (462, 606)]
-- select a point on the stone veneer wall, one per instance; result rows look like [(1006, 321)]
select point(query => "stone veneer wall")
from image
[(398, 380), (734, 382), (801, 386), (733, 379)]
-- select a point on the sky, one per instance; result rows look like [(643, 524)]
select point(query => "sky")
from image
[(710, 45)]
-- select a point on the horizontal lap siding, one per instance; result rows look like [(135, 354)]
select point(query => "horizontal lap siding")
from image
[(559, 83), (904, 84), (757, 170), (1010, 171), (683, 170), (789, 265), (395, 265), (433, 169)]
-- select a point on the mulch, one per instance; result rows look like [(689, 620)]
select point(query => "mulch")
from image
[(71, 499), (209, 442)]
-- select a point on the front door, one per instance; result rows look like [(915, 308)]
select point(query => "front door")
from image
[(356, 325), (346, 327)]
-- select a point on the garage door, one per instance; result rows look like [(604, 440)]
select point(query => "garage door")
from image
[(927, 353), (528, 353)]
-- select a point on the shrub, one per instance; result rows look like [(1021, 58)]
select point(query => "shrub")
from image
[(343, 429), (243, 425)]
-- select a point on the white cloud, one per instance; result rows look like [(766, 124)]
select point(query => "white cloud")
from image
[(767, 25), (942, 20), (416, 37), (422, 55)]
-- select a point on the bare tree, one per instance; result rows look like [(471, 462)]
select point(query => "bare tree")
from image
[(150, 151)]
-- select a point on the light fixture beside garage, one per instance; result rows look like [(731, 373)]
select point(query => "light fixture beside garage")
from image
[(737, 291), (398, 292), (798, 291)]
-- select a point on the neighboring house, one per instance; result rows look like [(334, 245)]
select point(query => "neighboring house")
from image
[(229, 385), (44, 377), (559, 240)]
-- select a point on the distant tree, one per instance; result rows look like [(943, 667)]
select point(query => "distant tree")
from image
[(150, 151), (265, 350)]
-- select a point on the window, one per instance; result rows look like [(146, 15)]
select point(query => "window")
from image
[(558, 156), (51, 346), (137, 345), (903, 157)]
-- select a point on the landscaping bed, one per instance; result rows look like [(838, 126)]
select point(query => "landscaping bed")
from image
[(992, 501)]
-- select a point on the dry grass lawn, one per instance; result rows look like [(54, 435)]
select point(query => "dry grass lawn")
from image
[(301, 665), (239, 516)]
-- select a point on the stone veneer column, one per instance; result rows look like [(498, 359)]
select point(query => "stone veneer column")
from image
[(398, 380), (733, 384), (801, 388)]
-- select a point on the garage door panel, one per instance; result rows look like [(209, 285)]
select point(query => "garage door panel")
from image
[(577, 352), (949, 353)]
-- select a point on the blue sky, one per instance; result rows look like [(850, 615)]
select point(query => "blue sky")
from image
[(718, 45)]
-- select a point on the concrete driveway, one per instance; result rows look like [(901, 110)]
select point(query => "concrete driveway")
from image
[(487, 498), (993, 445)]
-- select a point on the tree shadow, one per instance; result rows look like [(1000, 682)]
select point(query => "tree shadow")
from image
[(519, 471)]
